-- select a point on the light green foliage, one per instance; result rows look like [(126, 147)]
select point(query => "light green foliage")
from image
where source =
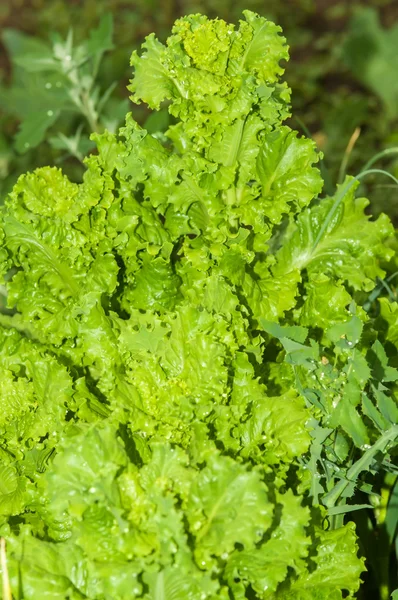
[(182, 413), (353, 406), (333, 549), (350, 248), (389, 312)]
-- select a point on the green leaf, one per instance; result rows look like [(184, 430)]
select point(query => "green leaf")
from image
[(33, 130), (156, 285), (270, 297), (358, 368), (315, 312), (157, 121), (46, 569), (371, 411), (100, 39), (265, 48), (46, 92), (352, 247), (299, 354), (172, 584), (343, 509), (151, 82), (389, 312), (88, 461), (387, 406), (266, 566), (378, 359), (78, 145), (285, 169), (347, 417), (12, 491), (346, 335), (344, 486), (369, 52), (228, 505), (29, 52), (282, 421), (335, 560), (295, 333)]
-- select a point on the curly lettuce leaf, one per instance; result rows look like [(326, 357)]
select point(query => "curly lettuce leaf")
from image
[(153, 442), (265, 567), (221, 492), (350, 248), (389, 314), (335, 561)]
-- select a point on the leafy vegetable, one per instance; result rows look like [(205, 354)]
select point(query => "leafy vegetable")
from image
[(182, 419)]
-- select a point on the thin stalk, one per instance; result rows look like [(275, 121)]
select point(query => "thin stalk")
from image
[(360, 465), (336, 521), (385, 533), (375, 158), (388, 289), (90, 113), (350, 146), (4, 571), (81, 98)]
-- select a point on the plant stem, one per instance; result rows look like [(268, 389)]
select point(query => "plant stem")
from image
[(360, 465), (4, 570), (90, 113), (347, 153)]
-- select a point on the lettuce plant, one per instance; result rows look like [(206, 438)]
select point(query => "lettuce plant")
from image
[(192, 391)]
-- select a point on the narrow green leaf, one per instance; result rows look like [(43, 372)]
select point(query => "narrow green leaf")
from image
[(343, 509)]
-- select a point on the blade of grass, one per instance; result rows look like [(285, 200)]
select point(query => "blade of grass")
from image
[(4, 570), (343, 509), (391, 516), (388, 289), (350, 146), (376, 157)]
